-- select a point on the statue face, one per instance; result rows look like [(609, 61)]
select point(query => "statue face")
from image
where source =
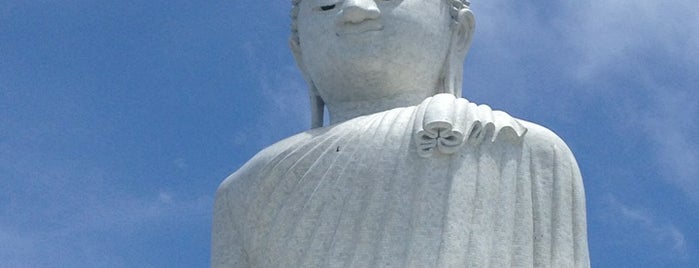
[(356, 50)]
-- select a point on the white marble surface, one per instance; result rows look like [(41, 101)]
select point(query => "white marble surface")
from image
[(364, 56), (404, 176)]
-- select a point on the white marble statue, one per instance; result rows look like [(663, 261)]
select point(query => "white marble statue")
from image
[(406, 174)]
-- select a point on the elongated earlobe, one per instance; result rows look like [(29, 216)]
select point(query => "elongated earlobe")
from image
[(317, 108), (461, 33), (317, 103)]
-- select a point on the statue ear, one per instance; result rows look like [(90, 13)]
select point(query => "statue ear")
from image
[(317, 103), (465, 26), (461, 35)]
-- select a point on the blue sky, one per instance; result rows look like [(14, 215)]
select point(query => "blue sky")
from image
[(118, 119)]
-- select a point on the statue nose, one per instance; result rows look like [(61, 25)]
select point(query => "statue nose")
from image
[(356, 11)]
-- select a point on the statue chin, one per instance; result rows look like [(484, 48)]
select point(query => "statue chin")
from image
[(366, 85), (366, 75)]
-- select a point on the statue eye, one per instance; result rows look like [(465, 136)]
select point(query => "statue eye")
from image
[(328, 7)]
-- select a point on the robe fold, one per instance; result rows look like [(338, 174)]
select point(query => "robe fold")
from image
[(361, 194)]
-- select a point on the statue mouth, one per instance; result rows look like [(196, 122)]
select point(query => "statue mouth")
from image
[(358, 28)]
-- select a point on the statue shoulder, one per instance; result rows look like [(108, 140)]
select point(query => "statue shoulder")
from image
[(540, 139), (241, 178), (232, 204)]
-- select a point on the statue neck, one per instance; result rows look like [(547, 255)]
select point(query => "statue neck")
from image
[(342, 111)]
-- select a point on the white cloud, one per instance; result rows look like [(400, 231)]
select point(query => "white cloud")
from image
[(63, 213), (15, 248), (239, 138), (284, 109), (673, 127), (285, 89), (180, 163), (53, 249), (505, 35), (652, 229), (653, 46), (165, 197), (614, 34), (81, 239)]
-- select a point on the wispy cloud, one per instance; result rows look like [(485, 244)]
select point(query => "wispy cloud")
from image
[(650, 47), (84, 238), (652, 228), (62, 213), (285, 89), (285, 104), (616, 34), (673, 127)]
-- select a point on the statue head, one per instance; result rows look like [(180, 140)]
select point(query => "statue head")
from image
[(360, 50)]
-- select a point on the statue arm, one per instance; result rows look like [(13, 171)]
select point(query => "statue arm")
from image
[(559, 201), (227, 248), (581, 256)]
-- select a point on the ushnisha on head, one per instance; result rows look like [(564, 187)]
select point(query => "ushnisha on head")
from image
[(365, 56)]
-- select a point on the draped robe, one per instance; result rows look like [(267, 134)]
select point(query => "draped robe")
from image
[(368, 193)]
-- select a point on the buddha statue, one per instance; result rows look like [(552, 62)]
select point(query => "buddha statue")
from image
[(406, 173)]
